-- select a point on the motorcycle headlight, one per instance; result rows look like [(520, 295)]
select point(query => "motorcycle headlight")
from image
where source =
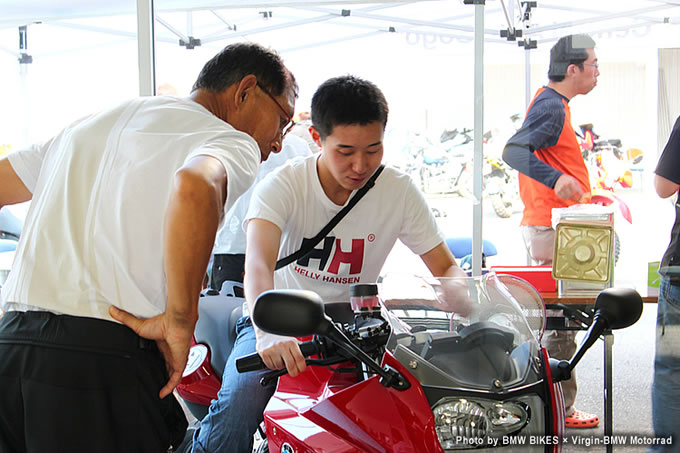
[(464, 423)]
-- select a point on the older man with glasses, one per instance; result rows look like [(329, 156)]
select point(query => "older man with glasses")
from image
[(125, 206)]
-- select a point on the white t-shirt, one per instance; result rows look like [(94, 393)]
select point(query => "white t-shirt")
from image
[(355, 250), (232, 238), (93, 236)]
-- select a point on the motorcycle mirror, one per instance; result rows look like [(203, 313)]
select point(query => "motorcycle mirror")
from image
[(620, 307), (290, 312), (615, 308), (300, 313)]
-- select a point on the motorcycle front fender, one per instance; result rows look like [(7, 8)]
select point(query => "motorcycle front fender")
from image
[(609, 198)]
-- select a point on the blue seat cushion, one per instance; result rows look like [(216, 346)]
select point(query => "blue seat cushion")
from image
[(462, 246)]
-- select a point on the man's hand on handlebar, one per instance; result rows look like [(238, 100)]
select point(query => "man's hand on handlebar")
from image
[(285, 354)]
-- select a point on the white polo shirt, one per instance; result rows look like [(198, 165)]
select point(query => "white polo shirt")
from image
[(93, 236), (231, 239)]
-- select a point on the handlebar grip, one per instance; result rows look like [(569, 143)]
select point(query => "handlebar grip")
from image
[(309, 348), (253, 362)]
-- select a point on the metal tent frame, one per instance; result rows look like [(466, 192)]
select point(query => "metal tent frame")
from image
[(527, 23)]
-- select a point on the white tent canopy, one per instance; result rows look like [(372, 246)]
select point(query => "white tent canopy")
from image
[(301, 26), (450, 17)]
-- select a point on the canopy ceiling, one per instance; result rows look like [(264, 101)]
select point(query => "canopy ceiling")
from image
[(219, 20)]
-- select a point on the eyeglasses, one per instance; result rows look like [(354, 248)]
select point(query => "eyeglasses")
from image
[(288, 125), (594, 65)]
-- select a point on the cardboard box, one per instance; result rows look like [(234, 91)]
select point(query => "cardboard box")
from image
[(653, 278), (540, 277)]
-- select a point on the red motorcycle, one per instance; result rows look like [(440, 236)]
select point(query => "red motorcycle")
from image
[(407, 375)]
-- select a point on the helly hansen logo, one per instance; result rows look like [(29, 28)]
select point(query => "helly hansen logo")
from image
[(333, 253)]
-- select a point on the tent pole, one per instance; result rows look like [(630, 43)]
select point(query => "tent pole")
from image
[(145, 48), (478, 162), (24, 60), (527, 79)]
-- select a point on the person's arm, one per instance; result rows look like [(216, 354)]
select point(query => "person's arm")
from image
[(542, 129), (523, 160), (262, 248), (196, 203), (441, 263), (12, 189), (664, 187), (521, 157), (666, 176)]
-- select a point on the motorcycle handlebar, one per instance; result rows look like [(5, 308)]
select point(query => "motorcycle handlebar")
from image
[(253, 362)]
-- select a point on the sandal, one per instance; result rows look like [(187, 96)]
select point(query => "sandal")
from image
[(581, 420)]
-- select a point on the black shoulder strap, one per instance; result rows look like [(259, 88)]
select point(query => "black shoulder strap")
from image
[(310, 244)]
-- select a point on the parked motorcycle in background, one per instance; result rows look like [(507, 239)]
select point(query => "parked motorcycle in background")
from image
[(500, 184), (446, 167), (593, 142), (501, 187), (610, 167), (439, 169)]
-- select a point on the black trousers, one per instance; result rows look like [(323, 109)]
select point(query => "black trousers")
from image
[(74, 384)]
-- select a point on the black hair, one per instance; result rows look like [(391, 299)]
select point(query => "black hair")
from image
[(568, 50), (236, 61), (347, 100)]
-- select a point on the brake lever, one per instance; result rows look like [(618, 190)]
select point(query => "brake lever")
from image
[(275, 374), (269, 377)]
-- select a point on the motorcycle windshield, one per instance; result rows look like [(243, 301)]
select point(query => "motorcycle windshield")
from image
[(475, 332)]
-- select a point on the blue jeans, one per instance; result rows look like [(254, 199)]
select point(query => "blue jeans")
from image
[(666, 386), (234, 417)]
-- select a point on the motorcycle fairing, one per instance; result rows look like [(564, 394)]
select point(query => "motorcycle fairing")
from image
[(555, 411), (461, 352), (315, 384), (198, 385), (366, 417), (494, 361)]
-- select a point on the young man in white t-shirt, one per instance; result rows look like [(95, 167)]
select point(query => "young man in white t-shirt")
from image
[(293, 204)]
